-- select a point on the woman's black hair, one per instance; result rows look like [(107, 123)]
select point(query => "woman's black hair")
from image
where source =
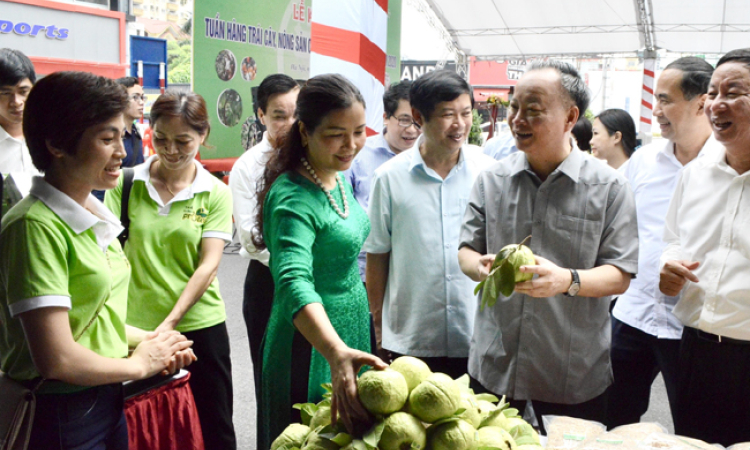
[(318, 98), (62, 106), (583, 133), (615, 120), (188, 106)]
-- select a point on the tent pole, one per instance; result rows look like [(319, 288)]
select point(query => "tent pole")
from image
[(647, 96)]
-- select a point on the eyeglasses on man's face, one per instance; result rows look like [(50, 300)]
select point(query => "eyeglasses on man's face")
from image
[(138, 97), (406, 121)]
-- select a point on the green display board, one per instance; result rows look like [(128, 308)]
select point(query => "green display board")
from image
[(237, 44)]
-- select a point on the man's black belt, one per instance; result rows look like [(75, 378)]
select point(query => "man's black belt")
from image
[(715, 338)]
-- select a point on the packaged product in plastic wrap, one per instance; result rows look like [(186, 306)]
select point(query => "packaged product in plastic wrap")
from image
[(567, 432)]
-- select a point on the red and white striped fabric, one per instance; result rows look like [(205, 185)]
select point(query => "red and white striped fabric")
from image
[(647, 99), (349, 38)]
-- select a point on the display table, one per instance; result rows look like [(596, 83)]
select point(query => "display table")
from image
[(161, 414)]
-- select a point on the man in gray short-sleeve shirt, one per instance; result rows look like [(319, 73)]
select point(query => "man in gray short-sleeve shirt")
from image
[(549, 341)]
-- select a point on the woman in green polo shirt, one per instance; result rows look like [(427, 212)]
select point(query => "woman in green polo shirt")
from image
[(63, 275), (180, 217)]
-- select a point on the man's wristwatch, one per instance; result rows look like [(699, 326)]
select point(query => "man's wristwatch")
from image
[(575, 284)]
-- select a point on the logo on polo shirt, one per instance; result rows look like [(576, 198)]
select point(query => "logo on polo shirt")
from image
[(198, 216)]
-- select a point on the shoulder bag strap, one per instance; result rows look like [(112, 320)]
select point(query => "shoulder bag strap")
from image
[(127, 186)]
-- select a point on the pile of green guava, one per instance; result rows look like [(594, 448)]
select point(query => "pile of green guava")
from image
[(413, 408)]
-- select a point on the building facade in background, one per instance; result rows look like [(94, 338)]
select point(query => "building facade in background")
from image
[(67, 35), (175, 11)]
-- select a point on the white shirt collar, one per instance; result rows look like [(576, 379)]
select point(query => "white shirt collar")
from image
[(265, 140), (105, 225), (5, 135), (203, 182), (709, 148)]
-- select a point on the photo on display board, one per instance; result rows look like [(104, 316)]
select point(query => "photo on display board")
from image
[(229, 107), (252, 129), (249, 68), (226, 65)]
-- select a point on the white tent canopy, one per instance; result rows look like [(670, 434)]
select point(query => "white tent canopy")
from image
[(500, 29)]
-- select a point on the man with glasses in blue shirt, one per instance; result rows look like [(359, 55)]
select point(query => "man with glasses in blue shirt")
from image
[(132, 139), (400, 133)]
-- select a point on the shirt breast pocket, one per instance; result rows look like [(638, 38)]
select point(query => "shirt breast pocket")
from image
[(462, 202), (581, 237)]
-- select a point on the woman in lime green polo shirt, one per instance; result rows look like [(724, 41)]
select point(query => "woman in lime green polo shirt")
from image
[(180, 217), (63, 275)]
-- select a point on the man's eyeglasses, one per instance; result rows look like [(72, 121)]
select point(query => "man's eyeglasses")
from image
[(137, 97), (406, 122)]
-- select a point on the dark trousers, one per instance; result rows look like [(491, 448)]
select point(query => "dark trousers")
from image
[(89, 420), (256, 310), (211, 383), (637, 358), (594, 409), (454, 367), (713, 391)]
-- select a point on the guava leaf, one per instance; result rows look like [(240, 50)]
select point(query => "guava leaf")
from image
[(507, 279), (483, 282), (492, 292), (479, 286), (307, 410), (463, 380), (328, 387), (325, 402), (487, 397), (489, 294), (341, 439), (490, 417), (446, 420), (372, 437), (459, 411), (499, 258), (359, 444), (326, 429), (511, 412), (493, 289), (487, 447), (504, 254)]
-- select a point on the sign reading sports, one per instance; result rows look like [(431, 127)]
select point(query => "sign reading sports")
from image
[(236, 45)]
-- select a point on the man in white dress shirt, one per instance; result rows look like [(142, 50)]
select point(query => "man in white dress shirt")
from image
[(277, 96), (707, 261), (645, 333), (17, 76)]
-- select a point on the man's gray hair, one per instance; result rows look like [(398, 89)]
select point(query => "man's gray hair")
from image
[(572, 82)]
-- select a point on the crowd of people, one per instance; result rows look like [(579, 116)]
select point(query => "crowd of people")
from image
[(365, 249)]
